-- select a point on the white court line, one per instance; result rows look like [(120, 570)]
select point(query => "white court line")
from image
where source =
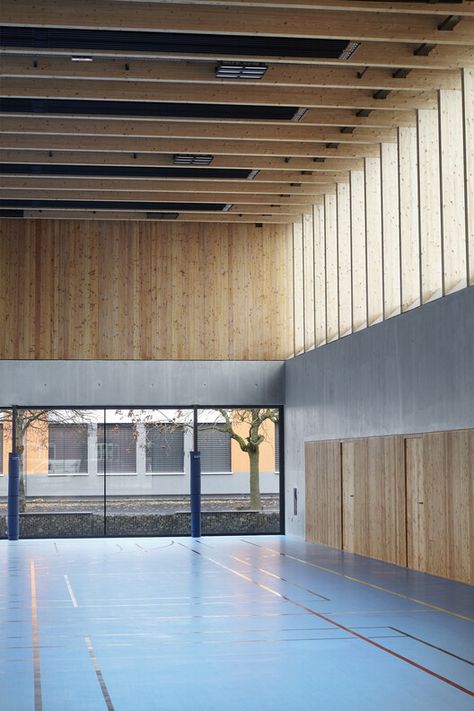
[(71, 592)]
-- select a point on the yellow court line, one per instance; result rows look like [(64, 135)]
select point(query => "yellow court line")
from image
[(364, 582)]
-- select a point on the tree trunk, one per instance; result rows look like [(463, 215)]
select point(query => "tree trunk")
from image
[(254, 479)]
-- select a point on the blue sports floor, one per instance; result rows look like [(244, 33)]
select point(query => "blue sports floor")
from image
[(263, 623)]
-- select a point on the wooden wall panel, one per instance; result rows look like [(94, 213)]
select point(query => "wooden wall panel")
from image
[(373, 216), (390, 230), (319, 273), (344, 258), (409, 221), (298, 286), (440, 503), (332, 295), (468, 102), (452, 190), (430, 205), (359, 266), (323, 493), (308, 251), (123, 290), (374, 498)]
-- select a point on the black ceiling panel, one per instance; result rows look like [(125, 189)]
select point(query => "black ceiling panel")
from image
[(182, 42), (11, 213), (91, 107), (110, 205), (123, 171)]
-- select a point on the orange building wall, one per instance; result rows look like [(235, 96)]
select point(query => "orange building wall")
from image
[(240, 460)]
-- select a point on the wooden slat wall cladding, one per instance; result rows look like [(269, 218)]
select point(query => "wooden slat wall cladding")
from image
[(323, 493), (403, 234), (407, 500), (124, 290)]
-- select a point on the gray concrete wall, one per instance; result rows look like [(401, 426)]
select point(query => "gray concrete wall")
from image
[(123, 383), (412, 373)]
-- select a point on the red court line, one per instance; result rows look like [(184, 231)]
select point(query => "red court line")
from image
[(337, 624)]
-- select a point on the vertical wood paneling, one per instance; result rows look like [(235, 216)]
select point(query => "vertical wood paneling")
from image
[(468, 103), (374, 498), (390, 230), (332, 306), (409, 220), (319, 273), (373, 214), (453, 190), (308, 248), (298, 276), (323, 493), (358, 239), (344, 258), (430, 205), (440, 503), (119, 290)]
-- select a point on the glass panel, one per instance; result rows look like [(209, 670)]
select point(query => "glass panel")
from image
[(240, 484), (164, 449), (214, 445), (60, 492), (145, 456), (5, 448)]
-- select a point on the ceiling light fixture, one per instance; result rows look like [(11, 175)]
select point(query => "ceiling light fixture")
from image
[(81, 58), (240, 71), (189, 159)]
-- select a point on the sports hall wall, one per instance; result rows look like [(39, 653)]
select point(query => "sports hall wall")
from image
[(382, 483), (145, 291)]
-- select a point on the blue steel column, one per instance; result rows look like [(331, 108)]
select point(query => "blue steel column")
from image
[(195, 494), (13, 509), (195, 472)]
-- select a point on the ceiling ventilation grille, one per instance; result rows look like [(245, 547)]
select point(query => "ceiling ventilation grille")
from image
[(187, 159), (241, 71)]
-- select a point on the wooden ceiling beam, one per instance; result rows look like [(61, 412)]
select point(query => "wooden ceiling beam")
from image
[(411, 8), (289, 132), (149, 195), (41, 123), (199, 187), (215, 94), (187, 146), (251, 21), (368, 54), (336, 165), (203, 72), (221, 217), (203, 145)]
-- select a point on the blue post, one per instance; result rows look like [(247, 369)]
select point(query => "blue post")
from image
[(195, 494), (13, 516)]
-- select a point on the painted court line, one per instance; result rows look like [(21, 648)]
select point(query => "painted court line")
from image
[(336, 624), (361, 582), (36, 654), (433, 646), (100, 676), (71, 591), (278, 577)]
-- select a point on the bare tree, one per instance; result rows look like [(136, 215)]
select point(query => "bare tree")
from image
[(226, 420), (253, 419), (29, 420)]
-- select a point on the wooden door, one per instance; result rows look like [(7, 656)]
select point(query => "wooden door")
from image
[(323, 493)]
